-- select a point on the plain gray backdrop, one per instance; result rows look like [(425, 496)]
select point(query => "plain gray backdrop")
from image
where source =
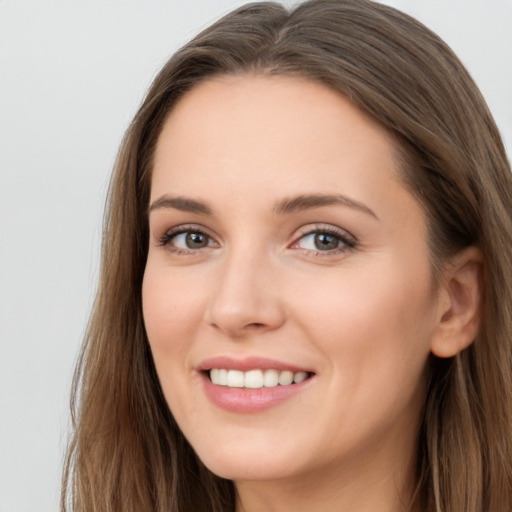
[(71, 76)]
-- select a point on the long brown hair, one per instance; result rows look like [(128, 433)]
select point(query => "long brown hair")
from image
[(126, 453)]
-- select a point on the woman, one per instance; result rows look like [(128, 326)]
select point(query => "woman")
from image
[(304, 299)]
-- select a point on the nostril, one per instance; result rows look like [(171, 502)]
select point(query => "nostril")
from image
[(255, 325)]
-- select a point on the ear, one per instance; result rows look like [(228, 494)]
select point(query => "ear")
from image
[(460, 302)]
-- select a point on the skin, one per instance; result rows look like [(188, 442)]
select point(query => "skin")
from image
[(364, 319)]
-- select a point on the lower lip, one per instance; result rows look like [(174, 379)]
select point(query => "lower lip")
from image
[(244, 400)]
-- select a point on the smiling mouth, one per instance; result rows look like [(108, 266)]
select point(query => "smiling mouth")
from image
[(256, 379)]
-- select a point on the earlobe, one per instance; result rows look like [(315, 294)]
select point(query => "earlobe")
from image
[(460, 303)]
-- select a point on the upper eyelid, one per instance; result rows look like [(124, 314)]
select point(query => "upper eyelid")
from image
[(163, 238), (184, 228), (328, 228)]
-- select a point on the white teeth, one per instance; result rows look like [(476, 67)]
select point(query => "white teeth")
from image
[(299, 377), (223, 377), (255, 379), (235, 379), (270, 378), (286, 378)]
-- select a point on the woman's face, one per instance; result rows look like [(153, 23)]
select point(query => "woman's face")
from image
[(284, 246)]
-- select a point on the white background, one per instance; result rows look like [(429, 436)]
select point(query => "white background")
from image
[(71, 76)]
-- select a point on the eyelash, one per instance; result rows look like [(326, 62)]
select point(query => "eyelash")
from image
[(167, 237), (347, 241)]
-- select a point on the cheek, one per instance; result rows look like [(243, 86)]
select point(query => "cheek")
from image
[(373, 325), (375, 336), (172, 311)]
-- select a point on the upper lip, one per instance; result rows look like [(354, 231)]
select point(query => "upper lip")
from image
[(249, 363)]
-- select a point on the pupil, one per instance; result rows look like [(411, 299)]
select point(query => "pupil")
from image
[(325, 242), (196, 240)]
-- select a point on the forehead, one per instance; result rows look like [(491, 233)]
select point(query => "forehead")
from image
[(259, 125)]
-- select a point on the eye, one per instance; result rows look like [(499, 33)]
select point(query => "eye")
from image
[(191, 240), (326, 240), (187, 239)]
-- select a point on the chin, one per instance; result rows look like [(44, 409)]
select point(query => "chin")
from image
[(248, 462), (237, 469)]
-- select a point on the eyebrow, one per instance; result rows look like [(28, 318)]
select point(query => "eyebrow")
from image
[(306, 202), (285, 206), (181, 203)]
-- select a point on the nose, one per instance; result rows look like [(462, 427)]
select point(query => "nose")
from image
[(246, 299)]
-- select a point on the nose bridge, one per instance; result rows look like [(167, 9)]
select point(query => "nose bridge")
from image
[(246, 296)]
